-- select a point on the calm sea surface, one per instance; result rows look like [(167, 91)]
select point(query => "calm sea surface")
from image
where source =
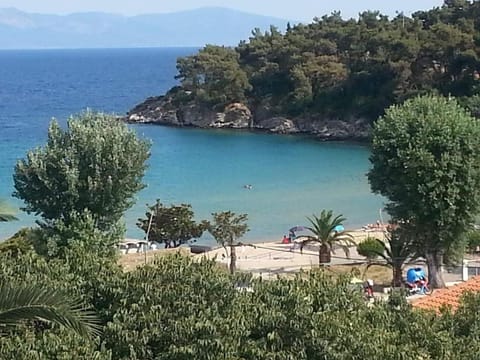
[(292, 176)]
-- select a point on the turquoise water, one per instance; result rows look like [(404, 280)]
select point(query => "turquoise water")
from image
[(292, 176)]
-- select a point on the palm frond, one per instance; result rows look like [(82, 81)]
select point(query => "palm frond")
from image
[(308, 240), (30, 302), (325, 224), (7, 217), (344, 247), (346, 237), (6, 213)]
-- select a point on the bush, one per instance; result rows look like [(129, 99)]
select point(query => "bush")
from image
[(473, 241), (370, 248), (472, 104), (21, 242)]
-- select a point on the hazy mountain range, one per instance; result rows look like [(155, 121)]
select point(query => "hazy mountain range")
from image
[(222, 26)]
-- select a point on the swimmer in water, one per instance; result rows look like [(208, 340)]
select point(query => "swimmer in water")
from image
[(249, 187)]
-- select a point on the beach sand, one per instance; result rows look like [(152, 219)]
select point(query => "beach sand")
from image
[(266, 259), (273, 258)]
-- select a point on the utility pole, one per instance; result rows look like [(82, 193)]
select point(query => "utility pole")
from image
[(146, 237)]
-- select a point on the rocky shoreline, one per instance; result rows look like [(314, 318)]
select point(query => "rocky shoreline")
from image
[(161, 110)]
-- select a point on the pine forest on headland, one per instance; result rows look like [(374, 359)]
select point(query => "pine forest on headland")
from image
[(339, 68)]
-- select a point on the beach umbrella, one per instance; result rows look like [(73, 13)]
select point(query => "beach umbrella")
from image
[(297, 228), (339, 228)]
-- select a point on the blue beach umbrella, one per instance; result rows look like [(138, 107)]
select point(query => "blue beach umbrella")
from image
[(339, 228)]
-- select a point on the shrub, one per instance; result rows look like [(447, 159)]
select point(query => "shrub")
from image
[(473, 241), (370, 248)]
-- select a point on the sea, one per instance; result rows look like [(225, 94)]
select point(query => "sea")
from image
[(292, 177)]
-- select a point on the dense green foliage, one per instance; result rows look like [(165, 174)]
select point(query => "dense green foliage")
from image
[(344, 68), (426, 162), (370, 247), (19, 304), (96, 164), (172, 225), (214, 76), (473, 241), (178, 308)]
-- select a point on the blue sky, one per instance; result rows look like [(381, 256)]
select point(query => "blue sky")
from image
[(288, 9)]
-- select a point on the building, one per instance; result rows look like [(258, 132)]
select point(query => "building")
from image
[(449, 297)]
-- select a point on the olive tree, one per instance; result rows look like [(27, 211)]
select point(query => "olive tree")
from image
[(426, 162), (172, 225), (227, 228), (95, 164)]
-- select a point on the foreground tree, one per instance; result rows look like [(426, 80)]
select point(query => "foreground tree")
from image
[(96, 164), (328, 233), (426, 162), (306, 316), (227, 228), (28, 303), (172, 226)]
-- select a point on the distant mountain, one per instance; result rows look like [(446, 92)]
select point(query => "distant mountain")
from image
[(221, 26)]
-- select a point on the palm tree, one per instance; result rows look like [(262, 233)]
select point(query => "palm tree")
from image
[(6, 214), (397, 249), (32, 302), (326, 233)]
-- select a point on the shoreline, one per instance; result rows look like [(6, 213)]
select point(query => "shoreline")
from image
[(360, 141), (359, 235)]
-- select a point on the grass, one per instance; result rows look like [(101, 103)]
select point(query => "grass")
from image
[(380, 275)]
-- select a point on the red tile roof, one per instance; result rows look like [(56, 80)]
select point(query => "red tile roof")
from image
[(449, 297)]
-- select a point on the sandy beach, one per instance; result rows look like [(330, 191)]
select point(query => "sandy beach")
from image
[(272, 258), (266, 259)]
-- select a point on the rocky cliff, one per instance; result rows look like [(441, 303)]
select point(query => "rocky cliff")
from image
[(160, 110)]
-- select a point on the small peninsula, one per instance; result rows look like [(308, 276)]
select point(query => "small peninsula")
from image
[(332, 78)]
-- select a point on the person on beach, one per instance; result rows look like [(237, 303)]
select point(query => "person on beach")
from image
[(291, 235)]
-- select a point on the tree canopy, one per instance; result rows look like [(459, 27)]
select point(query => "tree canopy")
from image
[(344, 68), (227, 228), (96, 164), (180, 307), (426, 162), (171, 225), (214, 76)]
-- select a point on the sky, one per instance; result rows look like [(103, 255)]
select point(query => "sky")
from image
[(303, 10)]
